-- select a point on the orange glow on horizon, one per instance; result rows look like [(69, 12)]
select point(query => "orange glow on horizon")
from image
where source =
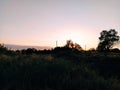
[(75, 33)]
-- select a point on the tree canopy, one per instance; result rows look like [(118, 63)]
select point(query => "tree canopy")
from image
[(107, 40), (72, 45)]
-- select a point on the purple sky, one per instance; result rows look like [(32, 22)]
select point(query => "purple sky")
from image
[(42, 22)]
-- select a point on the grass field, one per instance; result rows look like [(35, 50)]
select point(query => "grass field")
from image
[(59, 70)]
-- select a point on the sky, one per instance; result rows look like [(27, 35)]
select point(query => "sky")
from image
[(43, 22)]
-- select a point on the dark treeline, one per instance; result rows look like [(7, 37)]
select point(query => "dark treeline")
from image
[(59, 69), (62, 68)]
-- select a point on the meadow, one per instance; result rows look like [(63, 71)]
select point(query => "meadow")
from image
[(59, 69)]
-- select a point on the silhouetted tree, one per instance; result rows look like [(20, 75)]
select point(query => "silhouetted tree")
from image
[(69, 44), (78, 47), (3, 49), (31, 50), (72, 45), (107, 40)]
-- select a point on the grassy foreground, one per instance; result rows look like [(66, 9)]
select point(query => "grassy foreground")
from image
[(60, 71)]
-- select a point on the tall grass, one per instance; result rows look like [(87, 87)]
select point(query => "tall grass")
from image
[(78, 71)]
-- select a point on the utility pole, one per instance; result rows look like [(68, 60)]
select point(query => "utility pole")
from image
[(56, 44)]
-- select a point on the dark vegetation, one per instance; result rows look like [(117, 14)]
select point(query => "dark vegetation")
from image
[(62, 68), (107, 40)]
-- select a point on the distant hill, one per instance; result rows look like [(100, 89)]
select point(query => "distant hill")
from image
[(20, 47)]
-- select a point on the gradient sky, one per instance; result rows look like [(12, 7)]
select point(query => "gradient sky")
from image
[(42, 22)]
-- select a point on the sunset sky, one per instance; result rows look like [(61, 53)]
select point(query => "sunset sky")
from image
[(43, 22)]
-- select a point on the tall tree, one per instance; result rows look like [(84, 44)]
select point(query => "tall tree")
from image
[(107, 40)]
